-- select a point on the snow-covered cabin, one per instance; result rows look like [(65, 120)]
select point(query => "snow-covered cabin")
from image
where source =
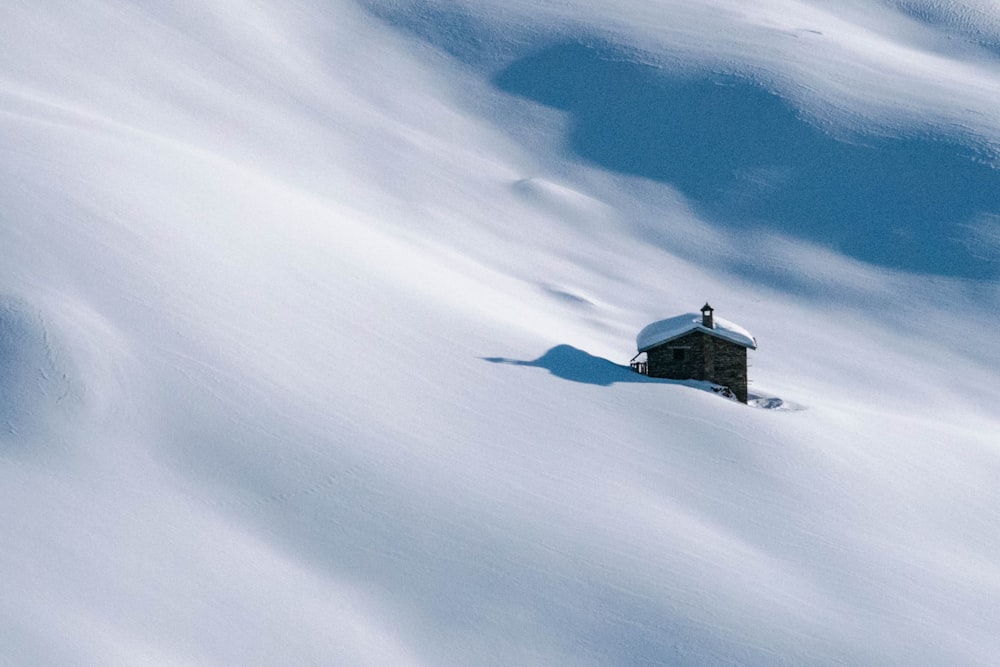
[(697, 346)]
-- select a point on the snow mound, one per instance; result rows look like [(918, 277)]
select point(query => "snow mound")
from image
[(34, 381)]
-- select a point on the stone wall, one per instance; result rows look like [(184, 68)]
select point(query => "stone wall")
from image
[(705, 357)]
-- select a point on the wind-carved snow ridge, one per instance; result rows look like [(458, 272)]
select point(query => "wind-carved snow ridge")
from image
[(750, 160), (974, 21), (745, 147)]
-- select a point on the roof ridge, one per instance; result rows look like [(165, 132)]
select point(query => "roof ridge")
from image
[(663, 331)]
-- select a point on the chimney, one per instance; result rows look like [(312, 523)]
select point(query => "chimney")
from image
[(706, 317)]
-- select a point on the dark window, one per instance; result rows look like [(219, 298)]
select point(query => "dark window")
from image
[(678, 354)]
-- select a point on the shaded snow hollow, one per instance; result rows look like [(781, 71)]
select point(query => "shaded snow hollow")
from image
[(673, 327)]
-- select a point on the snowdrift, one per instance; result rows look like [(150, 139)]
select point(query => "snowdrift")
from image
[(313, 317)]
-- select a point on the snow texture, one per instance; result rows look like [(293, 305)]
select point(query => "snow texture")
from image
[(313, 317)]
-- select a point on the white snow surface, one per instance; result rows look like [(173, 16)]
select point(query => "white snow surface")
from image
[(672, 327), (310, 346)]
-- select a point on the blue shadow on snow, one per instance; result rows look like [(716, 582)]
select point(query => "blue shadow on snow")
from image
[(570, 363), (575, 365), (746, 159)]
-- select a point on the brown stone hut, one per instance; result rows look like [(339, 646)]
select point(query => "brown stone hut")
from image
[(696, 347)]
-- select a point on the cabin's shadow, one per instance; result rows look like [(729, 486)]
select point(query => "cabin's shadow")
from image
[(575, 365), (744, 156)]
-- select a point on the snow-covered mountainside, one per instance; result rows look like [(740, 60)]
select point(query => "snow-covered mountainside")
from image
[(315, 318)]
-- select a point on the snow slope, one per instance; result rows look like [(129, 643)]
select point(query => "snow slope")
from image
[(311, 315)]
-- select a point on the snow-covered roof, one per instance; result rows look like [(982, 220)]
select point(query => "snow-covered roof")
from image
[(674, 327)]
